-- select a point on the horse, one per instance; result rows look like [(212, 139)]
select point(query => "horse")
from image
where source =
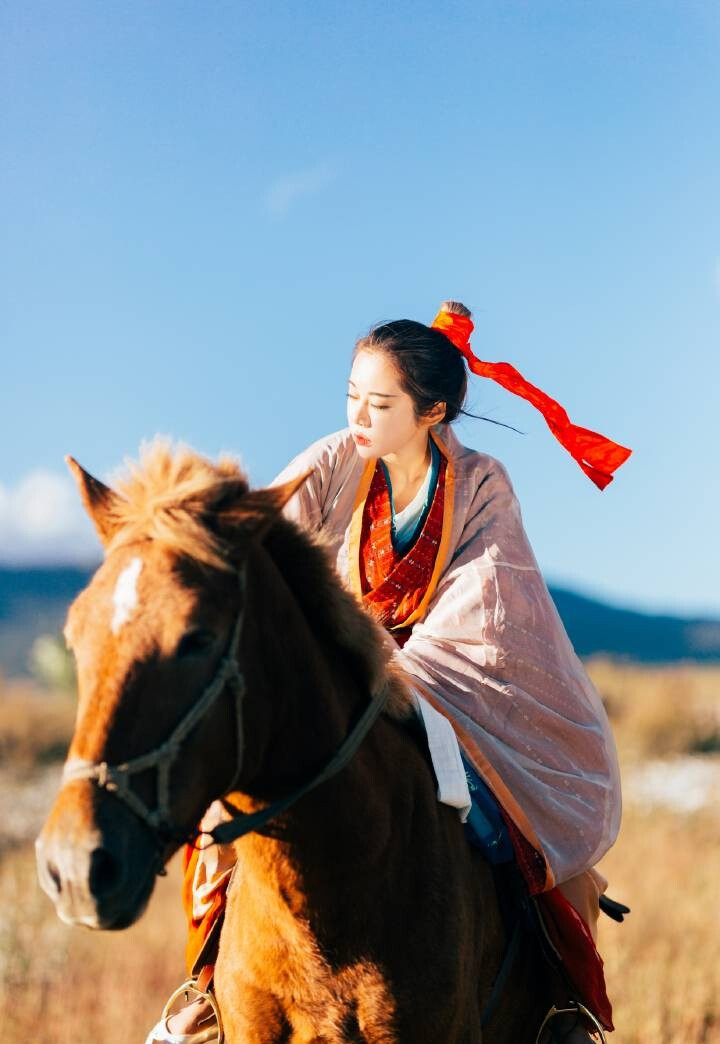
[(219, 655)]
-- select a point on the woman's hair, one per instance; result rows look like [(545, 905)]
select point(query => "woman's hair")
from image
[(430, 367)]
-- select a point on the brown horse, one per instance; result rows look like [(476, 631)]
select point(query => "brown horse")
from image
[(361, 913)]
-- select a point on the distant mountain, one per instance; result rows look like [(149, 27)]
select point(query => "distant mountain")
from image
[(595, 627), (34, 601)]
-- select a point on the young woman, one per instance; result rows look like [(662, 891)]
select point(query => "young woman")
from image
[(429, 536)]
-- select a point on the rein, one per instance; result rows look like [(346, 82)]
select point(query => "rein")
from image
[(117, 778), (245, 822)]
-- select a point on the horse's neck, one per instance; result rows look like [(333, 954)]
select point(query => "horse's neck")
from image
[(315, 861), (304, 688), (316, 698)]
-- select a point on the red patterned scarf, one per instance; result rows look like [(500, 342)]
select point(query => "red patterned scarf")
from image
[(393, 585)]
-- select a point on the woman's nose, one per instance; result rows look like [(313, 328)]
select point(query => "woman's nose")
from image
[(361, 415)]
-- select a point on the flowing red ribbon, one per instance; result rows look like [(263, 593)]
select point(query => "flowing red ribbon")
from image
[(598, 456)]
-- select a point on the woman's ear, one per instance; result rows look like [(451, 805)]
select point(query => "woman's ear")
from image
[(436, 414)]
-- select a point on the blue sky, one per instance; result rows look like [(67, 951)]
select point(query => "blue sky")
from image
[(203, 205)]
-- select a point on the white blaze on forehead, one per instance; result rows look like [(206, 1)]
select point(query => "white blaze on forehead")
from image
[(125, 597)]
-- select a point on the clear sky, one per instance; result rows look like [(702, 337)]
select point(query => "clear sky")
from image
[(202, 205)]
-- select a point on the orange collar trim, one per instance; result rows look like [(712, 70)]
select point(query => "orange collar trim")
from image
[(442, 552)]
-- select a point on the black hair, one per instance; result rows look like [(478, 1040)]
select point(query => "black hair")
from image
[(430, 368)]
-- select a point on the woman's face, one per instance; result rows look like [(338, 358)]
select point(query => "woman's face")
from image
[(380, 414)]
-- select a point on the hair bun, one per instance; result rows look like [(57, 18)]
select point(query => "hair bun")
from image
[(456, 308)]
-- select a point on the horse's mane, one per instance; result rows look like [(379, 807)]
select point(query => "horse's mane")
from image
[(173, 496), (170, 496)]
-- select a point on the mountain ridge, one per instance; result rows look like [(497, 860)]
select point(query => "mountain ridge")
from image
[(34, 601)]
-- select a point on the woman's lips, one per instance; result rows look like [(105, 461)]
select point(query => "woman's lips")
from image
[(361, 439)]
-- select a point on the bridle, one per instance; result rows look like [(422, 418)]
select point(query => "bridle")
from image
[(117, 778)]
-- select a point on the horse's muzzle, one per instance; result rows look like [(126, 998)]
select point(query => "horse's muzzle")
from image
[(100, 876)]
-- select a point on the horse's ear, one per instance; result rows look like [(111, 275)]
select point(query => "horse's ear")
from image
[(257, 509), (98, 499), (282, 493)]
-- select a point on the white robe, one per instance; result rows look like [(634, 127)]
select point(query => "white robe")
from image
[(490, 651)]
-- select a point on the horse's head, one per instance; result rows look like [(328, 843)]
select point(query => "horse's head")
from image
[(153, 635)]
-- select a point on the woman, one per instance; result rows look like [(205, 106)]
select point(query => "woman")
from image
[(429, 536)]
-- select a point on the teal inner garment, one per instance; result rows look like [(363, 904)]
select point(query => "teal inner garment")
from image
[(405, 534)]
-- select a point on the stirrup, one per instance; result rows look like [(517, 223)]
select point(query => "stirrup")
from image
[(161, 1033), (577, 1009)]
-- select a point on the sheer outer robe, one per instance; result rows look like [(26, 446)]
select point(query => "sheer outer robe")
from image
[(489, 649)]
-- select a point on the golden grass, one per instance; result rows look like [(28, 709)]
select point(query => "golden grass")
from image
[(656, 711), (663, 963), (35, 725), (61, 985)]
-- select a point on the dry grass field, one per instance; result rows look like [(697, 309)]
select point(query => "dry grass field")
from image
[(61, 985)]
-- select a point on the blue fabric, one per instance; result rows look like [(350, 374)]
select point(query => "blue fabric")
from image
[(484, 826), (403, 544)]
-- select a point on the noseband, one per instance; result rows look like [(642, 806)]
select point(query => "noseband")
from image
[(117, 778)]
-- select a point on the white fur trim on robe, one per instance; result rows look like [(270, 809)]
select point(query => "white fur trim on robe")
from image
[(492, 654)]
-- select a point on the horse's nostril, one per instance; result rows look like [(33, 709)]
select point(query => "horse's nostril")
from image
[(104, 872), (54, 875)]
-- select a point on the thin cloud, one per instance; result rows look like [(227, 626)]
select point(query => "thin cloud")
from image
[(284, 192), (42, 521)]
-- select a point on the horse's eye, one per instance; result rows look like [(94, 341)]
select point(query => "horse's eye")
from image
[(195, 642)]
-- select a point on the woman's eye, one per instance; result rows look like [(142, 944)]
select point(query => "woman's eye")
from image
[(374, 405)]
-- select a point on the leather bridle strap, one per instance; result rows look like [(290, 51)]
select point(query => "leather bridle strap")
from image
[(245, 822), (507, 963)]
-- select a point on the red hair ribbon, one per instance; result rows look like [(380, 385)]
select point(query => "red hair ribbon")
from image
[(597, 456)]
